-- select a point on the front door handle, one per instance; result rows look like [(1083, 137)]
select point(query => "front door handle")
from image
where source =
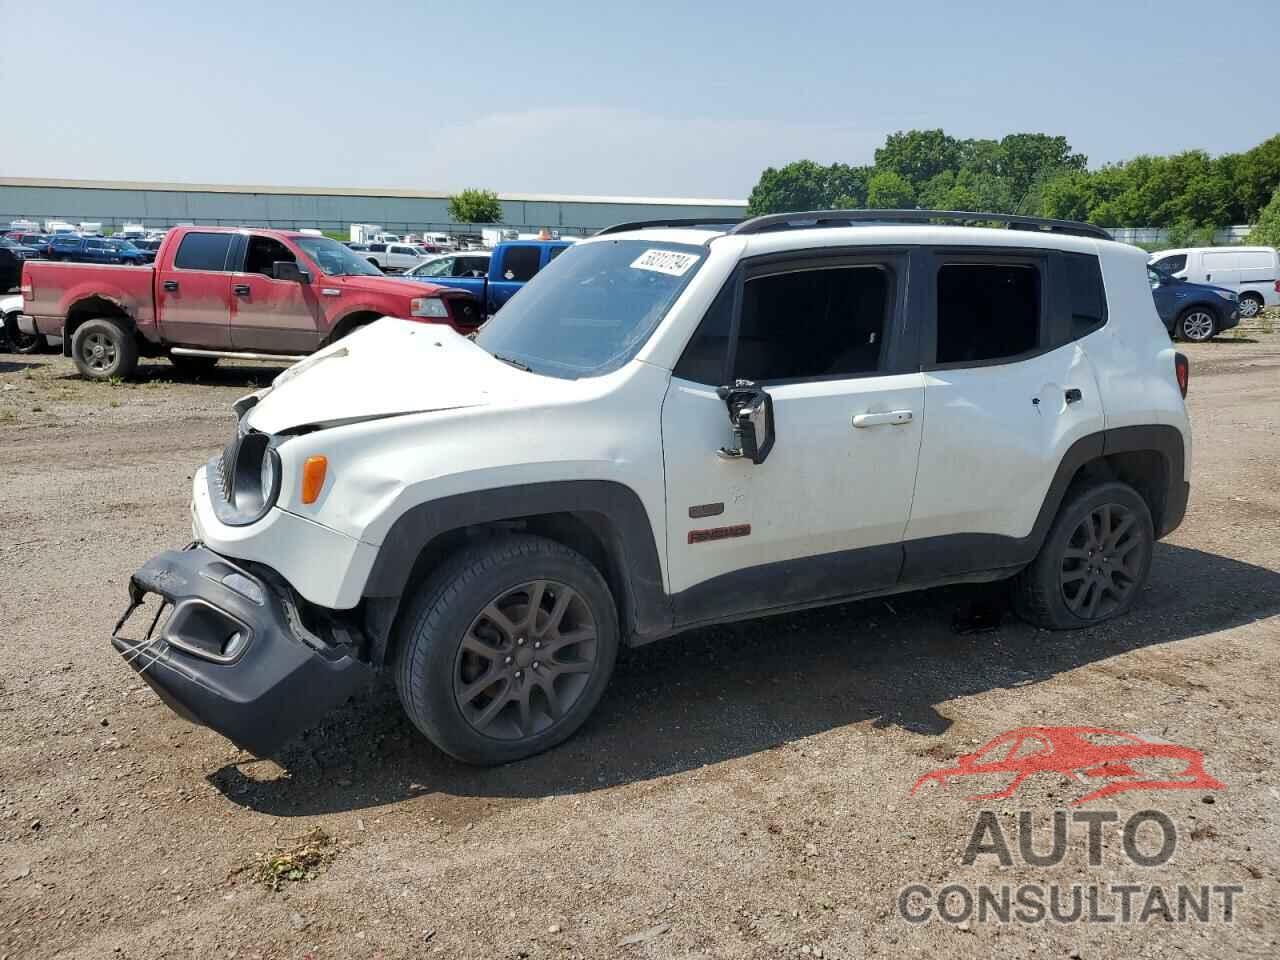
[(171, 285), (1074, 395), (894, 418), (240, 289)]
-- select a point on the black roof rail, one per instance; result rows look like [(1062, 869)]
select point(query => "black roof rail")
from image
[(847, 218), (688, 222)]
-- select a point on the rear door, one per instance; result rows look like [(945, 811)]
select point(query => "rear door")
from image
[(1008, 389), (193, 291), (270, 315), (520, 263)]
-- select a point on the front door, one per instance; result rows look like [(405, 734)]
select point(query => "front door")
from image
[(823, 517), (1009, 388), (193, 296), (269, 315)]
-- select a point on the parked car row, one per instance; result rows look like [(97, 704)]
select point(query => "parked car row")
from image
[(1252, 273)]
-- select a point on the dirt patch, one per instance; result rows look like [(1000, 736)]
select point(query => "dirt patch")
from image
[(743, 791)]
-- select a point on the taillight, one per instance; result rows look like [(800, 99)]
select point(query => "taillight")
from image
[(28, 289), (1182, 370), (1278, 286)]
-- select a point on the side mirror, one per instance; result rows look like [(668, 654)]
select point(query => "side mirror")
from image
[(289, 270), (751, 416)]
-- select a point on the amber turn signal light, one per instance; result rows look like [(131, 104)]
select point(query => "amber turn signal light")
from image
[(313, 472)]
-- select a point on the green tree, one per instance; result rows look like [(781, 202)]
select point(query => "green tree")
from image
[(1257, 178), (475, 206), (888, 190), (1022, 159), (805, 185), (1266, 232), (918, 155)]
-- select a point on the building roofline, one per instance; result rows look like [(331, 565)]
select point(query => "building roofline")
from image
[(396, 192)]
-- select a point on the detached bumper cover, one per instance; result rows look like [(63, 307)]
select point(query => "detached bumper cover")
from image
[(233, 654)]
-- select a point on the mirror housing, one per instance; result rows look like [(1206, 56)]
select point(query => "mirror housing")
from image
[(289, 270), (751, 416)]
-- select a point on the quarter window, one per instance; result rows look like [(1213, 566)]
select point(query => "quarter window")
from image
[(987, 312), (1088, 298), (203, 251)]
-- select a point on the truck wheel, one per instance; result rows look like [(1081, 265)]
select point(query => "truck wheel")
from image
[(1250, 305), (1092, 564), (103, 349), (193, 365), (19, 342), (506, 649)]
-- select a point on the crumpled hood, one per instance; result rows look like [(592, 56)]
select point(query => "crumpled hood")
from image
[(388, 368)]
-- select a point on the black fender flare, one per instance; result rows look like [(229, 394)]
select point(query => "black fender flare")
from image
[(613, 512)]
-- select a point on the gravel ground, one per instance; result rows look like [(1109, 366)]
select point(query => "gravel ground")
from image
[(742, 791)]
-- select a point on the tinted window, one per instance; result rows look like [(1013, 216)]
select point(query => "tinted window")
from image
[(705, 356), (521, 263), (987, 312), (203, 251), (1088, 299), (263, 253), (555, 252), (377, 248), (812, 323), (1172, 264)]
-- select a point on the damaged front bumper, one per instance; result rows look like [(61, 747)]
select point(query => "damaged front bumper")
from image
[(233, 653)]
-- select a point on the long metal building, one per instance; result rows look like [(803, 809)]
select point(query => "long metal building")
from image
[(115, 203)]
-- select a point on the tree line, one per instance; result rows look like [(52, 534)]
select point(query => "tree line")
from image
[(1037, 175)]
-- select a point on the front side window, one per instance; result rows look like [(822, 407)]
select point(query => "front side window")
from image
[(263, 253), (591, 310), (813, 323), (1171, 264), (521, 263), (986, 312), (203, 251)]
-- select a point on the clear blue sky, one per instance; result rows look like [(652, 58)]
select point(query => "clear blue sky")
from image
[(640, 98)]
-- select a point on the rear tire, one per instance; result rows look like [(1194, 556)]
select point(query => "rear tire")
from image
[(103, 349), (1197, 324), (24, 343), (1093, 563), (506, 649), (1250, 305)]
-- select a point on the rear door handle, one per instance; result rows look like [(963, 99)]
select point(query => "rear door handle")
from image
[(171, 285), (1074, 395), (893, 418), (240, 289)]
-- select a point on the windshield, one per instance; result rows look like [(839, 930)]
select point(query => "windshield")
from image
[(335, 259), (589, 311)]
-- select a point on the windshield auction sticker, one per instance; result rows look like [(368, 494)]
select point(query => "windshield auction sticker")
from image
[(665, 261)]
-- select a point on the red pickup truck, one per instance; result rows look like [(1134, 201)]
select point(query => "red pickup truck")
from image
[(222, 292)]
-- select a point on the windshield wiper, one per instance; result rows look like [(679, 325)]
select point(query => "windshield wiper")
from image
[(515, 363)]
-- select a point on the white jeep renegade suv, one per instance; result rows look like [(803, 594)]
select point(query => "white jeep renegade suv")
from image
[(674, 424)]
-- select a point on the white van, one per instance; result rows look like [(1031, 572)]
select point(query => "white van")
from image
[(1252, 272)]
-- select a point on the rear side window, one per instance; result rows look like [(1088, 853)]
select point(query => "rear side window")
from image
[(203, 251), (521, 263), (1171, 264), (1088, 298), (987, 312)]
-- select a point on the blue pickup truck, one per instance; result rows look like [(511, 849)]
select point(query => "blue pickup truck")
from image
[(512, 264), (96, 250)]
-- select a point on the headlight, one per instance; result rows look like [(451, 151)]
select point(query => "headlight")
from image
[(428, 307), (1227, 295), (250, 478)]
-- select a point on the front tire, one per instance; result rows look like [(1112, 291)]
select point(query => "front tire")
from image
[(1250, 305), (1093, 563), (507, 649), (102, 350), (1197, 324)]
